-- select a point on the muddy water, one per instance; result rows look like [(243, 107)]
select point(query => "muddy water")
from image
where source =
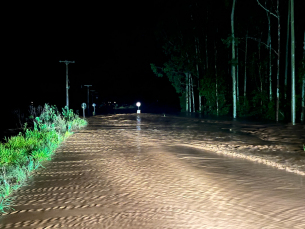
[(149, 171)]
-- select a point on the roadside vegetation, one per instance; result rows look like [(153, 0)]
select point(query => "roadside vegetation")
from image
[(20, 155)]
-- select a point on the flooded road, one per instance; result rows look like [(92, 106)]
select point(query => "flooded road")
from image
[(149, 171)]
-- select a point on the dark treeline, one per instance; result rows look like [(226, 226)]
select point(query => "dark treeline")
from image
[(209, 46)]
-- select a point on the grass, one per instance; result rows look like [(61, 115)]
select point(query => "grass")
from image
[(22, 154)]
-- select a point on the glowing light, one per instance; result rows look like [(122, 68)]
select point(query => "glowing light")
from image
[(138, 105)]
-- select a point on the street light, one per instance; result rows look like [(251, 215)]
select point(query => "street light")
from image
[(138, 104)]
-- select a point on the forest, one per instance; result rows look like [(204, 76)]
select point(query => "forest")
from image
[(235, 58)]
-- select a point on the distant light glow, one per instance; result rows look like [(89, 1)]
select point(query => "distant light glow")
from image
[(138, 104)]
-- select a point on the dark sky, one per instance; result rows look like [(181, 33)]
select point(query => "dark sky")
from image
[(112, 45)]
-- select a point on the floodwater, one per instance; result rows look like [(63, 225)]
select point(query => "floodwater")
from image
[(151, 171)]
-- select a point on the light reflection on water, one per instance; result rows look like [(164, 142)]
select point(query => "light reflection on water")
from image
[(282, 143), (138, 122), (138, 140)]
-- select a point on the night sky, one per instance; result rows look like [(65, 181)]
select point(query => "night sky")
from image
[(112, 44)]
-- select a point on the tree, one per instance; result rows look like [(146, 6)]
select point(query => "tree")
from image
[(179, 69), (292, 63), (287, 45), (197, 70), (278, 63), (191, 48), (303, 83), (175, 75), (233, 60), (180, 37), (187, 101), (237, 80), (245, 77), (216, 83), (277, 15)]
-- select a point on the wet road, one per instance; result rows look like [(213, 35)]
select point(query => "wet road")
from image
[(143, 171)]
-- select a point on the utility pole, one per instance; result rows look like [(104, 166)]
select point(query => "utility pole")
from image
[(67, 81), (88, 96)]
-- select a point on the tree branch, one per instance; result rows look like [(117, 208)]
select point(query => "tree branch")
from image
[(162, 69), (255, 39), (266, 9)]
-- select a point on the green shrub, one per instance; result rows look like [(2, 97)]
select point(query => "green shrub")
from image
[(23, 153), (68, 114)]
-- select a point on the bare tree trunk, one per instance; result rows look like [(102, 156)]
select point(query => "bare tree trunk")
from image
[(303, 86), (190, 98), (237, 80), (278, 63), (269, 46), (200, 110), (229, 66), (287, 45), (186, 93), (205, 71), (206, 51), (245, 79), (277, 15), (292, 65), (193, 98), (260, 74), (206, 42), (216, 86), (270, 57), (233, 60), (197, 69)]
